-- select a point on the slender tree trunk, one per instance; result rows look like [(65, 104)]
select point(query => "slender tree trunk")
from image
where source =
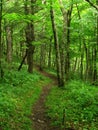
[(62, 57), (86, 53), (1, 69), (68, 45), (56, 43), (50, 53), (95, 66), (23, 60), (64, 44), (42, 56), (81, 63), (0, 34), (88, 72), (81, 39), (66, 21), (3, 41), (9, 43), (96, 50), (75, 65)]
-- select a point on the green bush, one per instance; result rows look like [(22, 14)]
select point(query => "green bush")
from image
[(78, 102), (18, 92)]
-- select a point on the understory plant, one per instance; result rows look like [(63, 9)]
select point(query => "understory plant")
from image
[(75, 106), (18, 93)]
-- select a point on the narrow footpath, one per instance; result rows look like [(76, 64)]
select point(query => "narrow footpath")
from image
[(39, 119)]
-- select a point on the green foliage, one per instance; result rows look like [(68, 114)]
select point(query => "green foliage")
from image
[(51, 71), (79, 101), (18, 92)]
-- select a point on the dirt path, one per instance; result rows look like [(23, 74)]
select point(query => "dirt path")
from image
[(39, 119)]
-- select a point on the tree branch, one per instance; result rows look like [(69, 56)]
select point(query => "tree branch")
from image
[(93, 5)]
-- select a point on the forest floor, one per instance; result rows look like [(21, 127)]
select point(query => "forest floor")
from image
[(39, 119)]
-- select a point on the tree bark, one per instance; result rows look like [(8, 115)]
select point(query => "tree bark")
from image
[(56, 43), (96, 51), (30, 37), (9, 43), (23, 60), (42, 56), (50, 52), (95, 66), (66, 43), (81, 63), (1, 69)]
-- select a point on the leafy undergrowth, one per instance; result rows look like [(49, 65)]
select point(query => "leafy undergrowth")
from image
[(18, 92), (75, 106)]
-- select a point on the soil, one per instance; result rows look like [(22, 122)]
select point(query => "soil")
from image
[(39, 118)]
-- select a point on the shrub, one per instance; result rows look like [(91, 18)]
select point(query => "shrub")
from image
[(18, 92), (78, 102)]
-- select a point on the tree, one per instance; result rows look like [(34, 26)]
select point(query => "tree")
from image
[(96, 49), (56, 44), (1, 69), (30, 36), (9, 43), (67, 23)]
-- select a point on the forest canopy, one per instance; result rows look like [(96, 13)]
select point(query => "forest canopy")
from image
[(60, 34)]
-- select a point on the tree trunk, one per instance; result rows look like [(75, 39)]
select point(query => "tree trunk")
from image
[(67, 21), (64, 44), (9, 43), (56, 43), (23, 60), (42, 56), (50, 52), (67, 69), (88, 72), (1, 69), (96, 50), (82, 57), (75, 65), (95, 66), (30, 37), (82, 48)]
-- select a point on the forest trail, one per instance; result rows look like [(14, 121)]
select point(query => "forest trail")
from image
[(39, 119)]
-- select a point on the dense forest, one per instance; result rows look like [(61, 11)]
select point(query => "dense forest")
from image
[(47, 41)]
